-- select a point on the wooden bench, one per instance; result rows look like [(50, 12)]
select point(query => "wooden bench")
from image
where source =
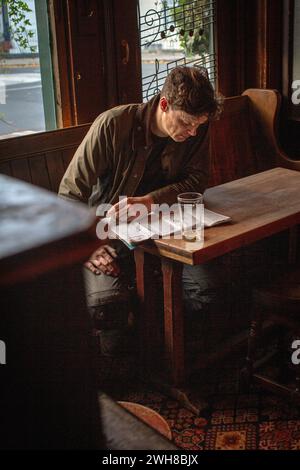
[(244, 141)]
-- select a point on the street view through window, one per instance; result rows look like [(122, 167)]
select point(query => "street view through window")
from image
[(26, 101)]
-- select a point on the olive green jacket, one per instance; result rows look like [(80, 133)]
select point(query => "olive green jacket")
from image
[(111, 159)]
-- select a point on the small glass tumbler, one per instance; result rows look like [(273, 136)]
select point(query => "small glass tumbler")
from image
[(191, 209)]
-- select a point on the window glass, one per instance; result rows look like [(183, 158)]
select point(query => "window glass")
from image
[(172, 33), (27, 102)]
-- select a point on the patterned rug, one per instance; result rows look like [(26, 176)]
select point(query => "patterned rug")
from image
[(232, 421)]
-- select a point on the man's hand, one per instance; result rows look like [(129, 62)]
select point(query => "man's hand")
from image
[(103, 260), (127, 207)]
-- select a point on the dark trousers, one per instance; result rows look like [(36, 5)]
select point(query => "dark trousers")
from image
[(198, 282)]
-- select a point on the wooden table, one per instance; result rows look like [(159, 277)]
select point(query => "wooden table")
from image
[(259, 205)]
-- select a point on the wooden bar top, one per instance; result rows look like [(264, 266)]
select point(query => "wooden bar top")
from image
[(259, 206), (32, 219)]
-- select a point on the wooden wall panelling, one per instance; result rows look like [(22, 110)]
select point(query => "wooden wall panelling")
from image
[(269, 44), (89, 68), (78, 27), (128, 53), (249, 44), (251, 34), (275, 39), (263, 43), (110, 55), (240, 41), (86, 39), (287, 51), (226, 45), (62, 63)]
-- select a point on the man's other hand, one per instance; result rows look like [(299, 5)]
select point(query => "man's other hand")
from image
[(103, 261), (131, 207)]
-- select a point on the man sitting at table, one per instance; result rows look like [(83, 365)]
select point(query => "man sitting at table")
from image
[(149, 152)]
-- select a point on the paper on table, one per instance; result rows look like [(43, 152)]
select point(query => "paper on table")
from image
[(164, 226), (160, 226), (213, 218)]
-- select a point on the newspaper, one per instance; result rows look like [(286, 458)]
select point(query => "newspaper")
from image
[(156, 225)]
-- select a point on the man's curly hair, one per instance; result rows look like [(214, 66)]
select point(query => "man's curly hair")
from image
[(189, 89)]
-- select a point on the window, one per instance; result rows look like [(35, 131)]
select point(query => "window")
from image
[(172, 33), (27, 101)]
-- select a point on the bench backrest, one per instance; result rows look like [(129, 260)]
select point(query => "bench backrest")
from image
[(41, 159), (243, 142), (237, 147)]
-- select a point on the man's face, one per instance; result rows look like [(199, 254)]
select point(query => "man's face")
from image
[(180, 125)]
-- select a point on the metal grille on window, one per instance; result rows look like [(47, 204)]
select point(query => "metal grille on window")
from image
[(172, 33)]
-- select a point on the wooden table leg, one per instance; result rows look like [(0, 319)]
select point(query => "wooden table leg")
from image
[(174, 328), (148, 321), (173, 314)]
